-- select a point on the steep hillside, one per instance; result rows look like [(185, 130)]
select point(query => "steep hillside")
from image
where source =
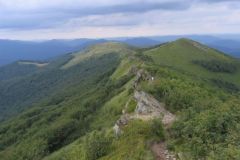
[(179, 100), (19, 92), (197, 60)]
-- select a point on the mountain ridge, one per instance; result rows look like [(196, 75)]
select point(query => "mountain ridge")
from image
[(42, 50), (69, 113)]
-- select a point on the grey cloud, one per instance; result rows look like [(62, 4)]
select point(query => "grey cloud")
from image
[(142, 7), (54, 16), (50, 17), (216, 1)]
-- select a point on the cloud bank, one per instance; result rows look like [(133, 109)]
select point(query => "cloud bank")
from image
[(43, 19)]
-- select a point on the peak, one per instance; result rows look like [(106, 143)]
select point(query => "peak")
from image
[(183, 43), (110, 45), (98, 50), (189, 43)]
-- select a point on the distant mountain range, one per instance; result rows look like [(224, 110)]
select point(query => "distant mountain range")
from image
[(226, 43), (13, 50)]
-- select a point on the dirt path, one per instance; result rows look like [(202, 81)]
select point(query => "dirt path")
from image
[(161, 153), (160, 150)]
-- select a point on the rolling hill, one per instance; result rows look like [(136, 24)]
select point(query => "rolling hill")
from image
[(112, 101), (228, 44), (14, 50)]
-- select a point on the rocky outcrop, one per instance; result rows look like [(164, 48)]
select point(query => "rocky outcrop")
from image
[(150, 107), (145, 103), (147, 106), (122, 121), (117, 130), (141, 75)]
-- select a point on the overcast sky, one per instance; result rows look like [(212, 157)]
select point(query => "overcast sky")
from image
[(53, 19)]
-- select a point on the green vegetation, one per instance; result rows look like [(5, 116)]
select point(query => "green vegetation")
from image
[(131, 106), (103, 145), (66, 110), (208, 117), (205, 99), (96, 145), (217, 66), (99, 50), (16, 70), (62, 117), (226, 85)]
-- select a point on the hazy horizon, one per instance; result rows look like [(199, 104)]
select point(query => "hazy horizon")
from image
[(230, 36)]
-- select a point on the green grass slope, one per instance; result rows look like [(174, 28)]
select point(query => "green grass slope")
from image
[(99, 50), (189, 57)]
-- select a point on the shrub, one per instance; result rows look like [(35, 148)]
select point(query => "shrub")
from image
[(131, 106), (58, 136), (225, 85), (217, 66), (144, 57), (96, 145), (157, 129)]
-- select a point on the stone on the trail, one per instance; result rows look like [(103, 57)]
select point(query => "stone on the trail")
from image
[(117, 130)]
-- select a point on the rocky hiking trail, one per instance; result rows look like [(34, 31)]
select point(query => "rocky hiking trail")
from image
[(147, 108), (161, 152)]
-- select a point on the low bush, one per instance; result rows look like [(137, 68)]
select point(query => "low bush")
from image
[(217, 66), (96, 145)]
